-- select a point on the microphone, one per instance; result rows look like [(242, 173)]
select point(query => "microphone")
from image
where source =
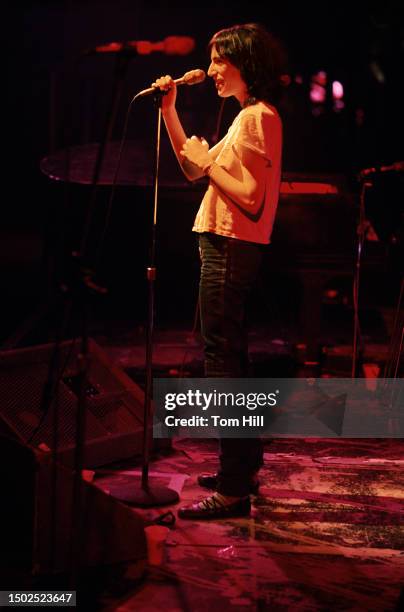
[(192, 77), (369, 172), (171, 45)]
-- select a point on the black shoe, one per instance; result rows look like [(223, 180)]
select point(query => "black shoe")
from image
[(211, 508), (209, 481)]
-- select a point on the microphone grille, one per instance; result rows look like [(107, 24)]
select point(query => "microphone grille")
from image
[(194, 76)]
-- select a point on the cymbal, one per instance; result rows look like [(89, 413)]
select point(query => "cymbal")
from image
[(76, 164)]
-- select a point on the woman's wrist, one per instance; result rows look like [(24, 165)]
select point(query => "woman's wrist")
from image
[(208, 167)]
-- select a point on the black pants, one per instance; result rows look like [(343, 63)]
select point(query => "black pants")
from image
[(229, 270)]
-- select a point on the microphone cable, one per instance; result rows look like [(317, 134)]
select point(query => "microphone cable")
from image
[(108, 212), (123, 141)]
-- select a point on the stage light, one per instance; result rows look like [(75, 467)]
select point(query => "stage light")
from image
[(318, 87), (337, 90)]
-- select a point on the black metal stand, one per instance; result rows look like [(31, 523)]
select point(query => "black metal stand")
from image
[(149, 496), (76, 288), (393, 368), (361, 231), (83, 285), (395, 352)]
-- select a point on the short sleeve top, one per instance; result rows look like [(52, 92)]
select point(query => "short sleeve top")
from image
[(259, 128)]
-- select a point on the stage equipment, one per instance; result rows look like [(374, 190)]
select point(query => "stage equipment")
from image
[(37, 525), (114, 421)]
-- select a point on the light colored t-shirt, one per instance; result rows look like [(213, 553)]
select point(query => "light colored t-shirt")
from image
[(259, 128)]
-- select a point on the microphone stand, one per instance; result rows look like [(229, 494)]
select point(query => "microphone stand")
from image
[(83, 285), (361, 230), (148, 496), (76, 289)]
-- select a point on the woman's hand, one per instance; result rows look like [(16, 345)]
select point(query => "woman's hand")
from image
[(196, 150), (166, 83)]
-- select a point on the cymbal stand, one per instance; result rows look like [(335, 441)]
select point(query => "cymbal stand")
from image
[(395, 352), (393, 369)]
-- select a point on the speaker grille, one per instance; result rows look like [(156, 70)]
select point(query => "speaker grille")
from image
[(114, 406)]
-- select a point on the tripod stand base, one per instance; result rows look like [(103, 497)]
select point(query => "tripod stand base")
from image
[(145, 497)]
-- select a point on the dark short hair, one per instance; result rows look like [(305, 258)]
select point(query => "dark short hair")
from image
[(259, 56)]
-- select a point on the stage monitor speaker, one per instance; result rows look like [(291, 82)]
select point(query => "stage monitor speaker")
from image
[(36, 525), (114, 404)]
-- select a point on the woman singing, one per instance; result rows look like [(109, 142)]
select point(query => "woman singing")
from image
[(234, 223)]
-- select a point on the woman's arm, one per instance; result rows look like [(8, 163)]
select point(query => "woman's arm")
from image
[(178, 138), (176, 131), (248, 190), (215, 150)]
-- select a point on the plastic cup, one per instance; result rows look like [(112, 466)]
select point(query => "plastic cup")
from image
[(156, 536)]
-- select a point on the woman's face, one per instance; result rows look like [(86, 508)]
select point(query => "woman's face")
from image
[(227, 77)]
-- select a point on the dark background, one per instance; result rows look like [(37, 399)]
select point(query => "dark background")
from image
[(55, 97)]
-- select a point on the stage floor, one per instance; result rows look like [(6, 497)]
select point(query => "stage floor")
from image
[(326, 532)]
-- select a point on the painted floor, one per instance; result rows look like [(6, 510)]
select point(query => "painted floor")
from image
[(326, 532)]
